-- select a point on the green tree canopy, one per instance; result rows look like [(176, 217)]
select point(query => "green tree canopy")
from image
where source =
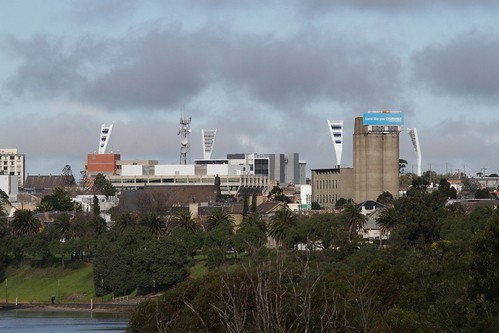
[(59, 200), (25, 223), (103, 186), (354, 218), (280, 224)]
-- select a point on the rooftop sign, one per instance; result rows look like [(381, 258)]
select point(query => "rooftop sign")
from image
[(383, 118)]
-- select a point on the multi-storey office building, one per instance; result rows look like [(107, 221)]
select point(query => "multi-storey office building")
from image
[(329, 185), (12, 163), (283, 168)]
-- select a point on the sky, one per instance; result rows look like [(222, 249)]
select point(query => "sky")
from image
[(266, 74)]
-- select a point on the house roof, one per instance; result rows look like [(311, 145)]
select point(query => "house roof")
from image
[(268, 206), (46, 182), (370, 205), (167, 196)]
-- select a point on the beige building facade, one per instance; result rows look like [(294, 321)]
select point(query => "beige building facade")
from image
[(329, 185)]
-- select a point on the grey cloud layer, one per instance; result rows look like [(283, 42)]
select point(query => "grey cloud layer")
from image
[(166, 68), (465, 67)]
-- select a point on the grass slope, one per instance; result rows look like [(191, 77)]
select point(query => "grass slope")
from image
[(38, 285)]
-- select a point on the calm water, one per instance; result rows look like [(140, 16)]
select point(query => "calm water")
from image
[(61, 322)]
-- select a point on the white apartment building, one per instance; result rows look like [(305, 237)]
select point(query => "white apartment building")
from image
[(12, 163)]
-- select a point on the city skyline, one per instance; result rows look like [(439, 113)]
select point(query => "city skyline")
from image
[(266, 77)]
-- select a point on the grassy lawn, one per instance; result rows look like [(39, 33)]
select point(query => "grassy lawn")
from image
[(199, 269), (38, 285)]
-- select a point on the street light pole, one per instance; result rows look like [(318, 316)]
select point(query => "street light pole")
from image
[(58, 291), (102, 290), (6, 292)]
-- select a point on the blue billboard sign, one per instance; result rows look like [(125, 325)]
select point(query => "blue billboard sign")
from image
[(395, 119)]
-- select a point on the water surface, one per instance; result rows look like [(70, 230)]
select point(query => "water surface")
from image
[(23, 321)]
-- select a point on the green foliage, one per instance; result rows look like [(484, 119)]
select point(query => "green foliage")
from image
[(253, 203), (354, 218), (340, 203), (24, 223), (59, 200), (420, 214), (485, 260), (95, 205), (482, 194), (322, 231), (183, 219), (133, 260), (217, 218), (315, 205), (245, 205), (385, 198), (103, 186), (156, 224), (125, 221), (446, 189), (280, 224), (388, 220), (251, 235)]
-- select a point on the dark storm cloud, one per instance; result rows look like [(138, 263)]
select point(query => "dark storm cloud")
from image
[(465, 67), (166, 68)]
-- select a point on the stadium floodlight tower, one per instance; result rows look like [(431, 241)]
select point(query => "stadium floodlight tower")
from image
[(413, 133), (184, 130), (209, 136), (105, 134), (336, 130)]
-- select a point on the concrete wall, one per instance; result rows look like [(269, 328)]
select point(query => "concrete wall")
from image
[(174, 170), (132, 170), (10, 185)]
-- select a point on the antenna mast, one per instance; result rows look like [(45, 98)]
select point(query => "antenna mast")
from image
[(184, 130)]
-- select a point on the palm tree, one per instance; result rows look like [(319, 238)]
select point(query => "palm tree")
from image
[(63, 226), (280, 223), (24, 223), (388, 221), (354, 218), (155, 224), (254, 219), (217, 218), (183, 218), (124, 221)]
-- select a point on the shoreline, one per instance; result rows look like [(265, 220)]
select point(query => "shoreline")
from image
[(112, 308)]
